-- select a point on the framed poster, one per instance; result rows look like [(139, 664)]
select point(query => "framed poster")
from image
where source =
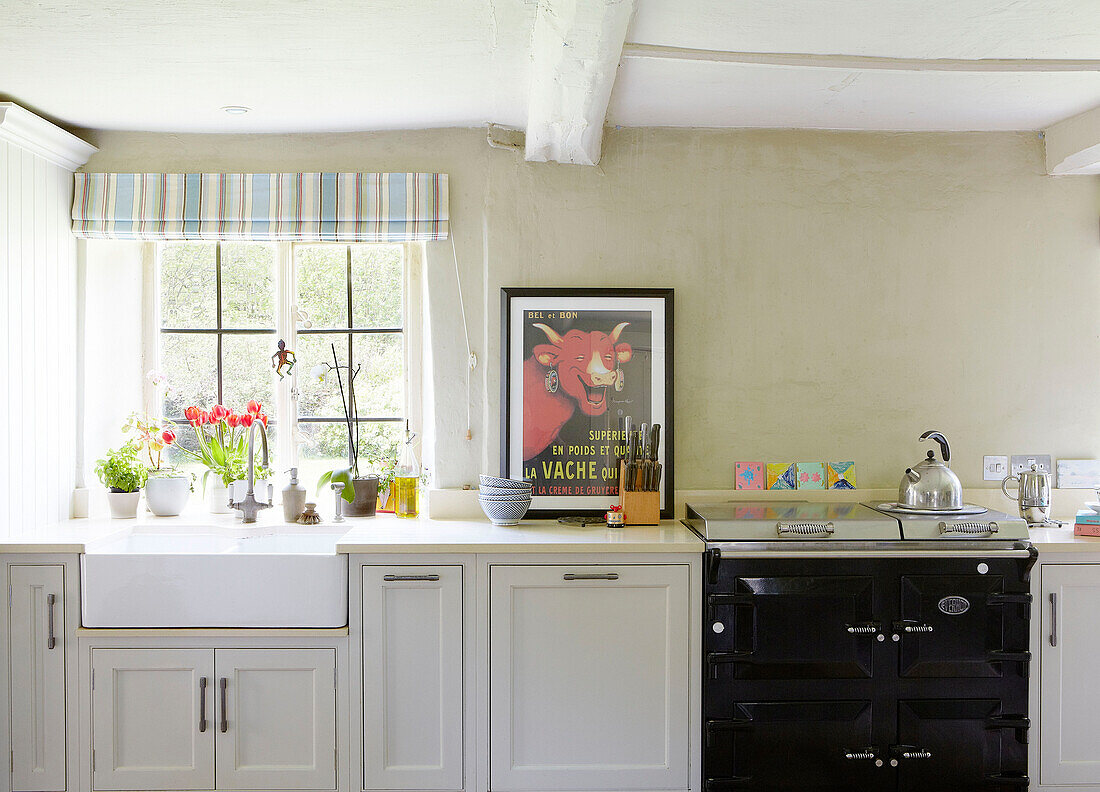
[(574, 364)]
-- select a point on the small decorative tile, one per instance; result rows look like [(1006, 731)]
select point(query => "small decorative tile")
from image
[(811, 475), (782, 475), (748, 475), (842, 475)]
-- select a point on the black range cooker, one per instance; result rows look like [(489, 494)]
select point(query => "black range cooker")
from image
[(850, 647)]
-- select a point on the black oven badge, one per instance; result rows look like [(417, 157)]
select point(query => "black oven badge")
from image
[(954, 606)]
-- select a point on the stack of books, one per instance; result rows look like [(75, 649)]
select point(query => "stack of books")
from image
[(1087, 523)]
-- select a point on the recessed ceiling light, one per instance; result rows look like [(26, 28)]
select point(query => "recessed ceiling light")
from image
[(235, 109)]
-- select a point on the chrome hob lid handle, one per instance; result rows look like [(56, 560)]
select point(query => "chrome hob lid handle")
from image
[(803, 528), (968, 528)]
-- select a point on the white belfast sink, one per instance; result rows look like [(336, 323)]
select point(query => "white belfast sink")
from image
[(204, 577)]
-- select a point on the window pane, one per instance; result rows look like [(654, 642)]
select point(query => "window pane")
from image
[(248, 285), (190, 362), (188, 284), (380, 386), (323, 284), (320, 399), (247, 372), (325, 448), (377, 282)]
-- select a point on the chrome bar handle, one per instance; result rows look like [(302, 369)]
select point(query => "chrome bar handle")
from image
[(968, 528), (591, 576), (224, 727), (803, 528), (1053, 619), (51, 642), (202, 704), (405, 578)]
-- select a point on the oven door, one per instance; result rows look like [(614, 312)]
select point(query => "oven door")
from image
[(763, 622), (961, 623), (970, 741), (795, 746)]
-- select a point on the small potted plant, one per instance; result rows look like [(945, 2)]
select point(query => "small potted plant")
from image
[(122, 472), (360, 492), (222, 440), (167, 489)]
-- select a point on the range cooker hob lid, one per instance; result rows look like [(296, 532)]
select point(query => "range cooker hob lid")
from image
[(987, 525), (794, 521)]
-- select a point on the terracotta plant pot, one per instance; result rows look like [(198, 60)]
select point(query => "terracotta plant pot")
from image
[(123, 504), (167, 495), (366, 498)]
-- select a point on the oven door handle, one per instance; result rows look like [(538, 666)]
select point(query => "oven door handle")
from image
[(1009, 599), (864, 628)]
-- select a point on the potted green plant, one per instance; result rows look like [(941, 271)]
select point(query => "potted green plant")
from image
[(222, 442), (122, 472), (360, 491), (167, 488)]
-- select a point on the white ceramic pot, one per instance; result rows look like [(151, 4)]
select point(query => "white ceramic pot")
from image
[(217, 496), (123, 504), (167, 496)]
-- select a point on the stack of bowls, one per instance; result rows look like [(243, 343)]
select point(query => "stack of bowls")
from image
[(504, 501)]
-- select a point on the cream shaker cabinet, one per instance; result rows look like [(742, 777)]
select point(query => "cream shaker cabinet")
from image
[(589, 680), (201, 719), (1069, 715), (412, 677), (36, 666)]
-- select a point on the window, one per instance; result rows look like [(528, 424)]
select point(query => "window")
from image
[(223, 306)]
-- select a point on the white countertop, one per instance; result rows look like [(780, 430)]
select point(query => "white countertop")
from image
[(381, 534), (1063, 540)]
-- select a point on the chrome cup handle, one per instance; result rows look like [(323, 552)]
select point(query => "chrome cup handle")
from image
[(1004, 487)]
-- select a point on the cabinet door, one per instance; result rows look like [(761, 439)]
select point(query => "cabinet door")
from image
[(36, 656), (150, 728), (412, 677), (276, 719), (1069, 752), (588, 677)]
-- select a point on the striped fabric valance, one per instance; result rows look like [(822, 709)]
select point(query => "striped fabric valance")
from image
[(324, 207)]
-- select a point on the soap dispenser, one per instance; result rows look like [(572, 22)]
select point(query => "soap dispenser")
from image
[(294, 498)]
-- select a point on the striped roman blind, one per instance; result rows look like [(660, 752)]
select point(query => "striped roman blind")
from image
[(321, 207)]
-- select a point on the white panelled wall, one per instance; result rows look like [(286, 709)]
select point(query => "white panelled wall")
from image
[(38, 276)]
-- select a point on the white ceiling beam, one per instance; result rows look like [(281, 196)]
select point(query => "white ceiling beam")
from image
[(576, 47), (860, 62), (1073, 145)]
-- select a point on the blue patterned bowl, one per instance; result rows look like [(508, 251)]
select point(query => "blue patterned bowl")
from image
[(494, 481), (499, 491), (505, 511)]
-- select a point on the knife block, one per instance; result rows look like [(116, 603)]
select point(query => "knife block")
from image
[(639, 508)]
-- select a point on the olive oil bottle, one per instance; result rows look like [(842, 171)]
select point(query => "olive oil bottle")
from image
[(407, 480)]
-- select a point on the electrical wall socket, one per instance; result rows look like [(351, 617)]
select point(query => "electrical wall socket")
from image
[(1022, 462), (994, 468)]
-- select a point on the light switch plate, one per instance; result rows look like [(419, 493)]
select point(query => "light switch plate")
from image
[(994, 468), (1022, 462)]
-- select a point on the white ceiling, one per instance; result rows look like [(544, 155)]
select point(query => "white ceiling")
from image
[(354, 65)]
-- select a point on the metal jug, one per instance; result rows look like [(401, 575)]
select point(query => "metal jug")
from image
[(1032, 495)]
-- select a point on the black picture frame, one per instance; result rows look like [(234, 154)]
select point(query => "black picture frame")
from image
[(658, 304)]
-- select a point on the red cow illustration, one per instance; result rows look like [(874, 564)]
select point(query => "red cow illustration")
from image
[(574, 370)]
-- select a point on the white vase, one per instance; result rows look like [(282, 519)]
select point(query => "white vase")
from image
[(123, 504), (217, 496), (167, 495)]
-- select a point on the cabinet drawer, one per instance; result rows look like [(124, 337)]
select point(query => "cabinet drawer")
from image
[(588, 677)]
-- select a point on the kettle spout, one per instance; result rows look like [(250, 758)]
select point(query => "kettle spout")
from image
[(912, 475)]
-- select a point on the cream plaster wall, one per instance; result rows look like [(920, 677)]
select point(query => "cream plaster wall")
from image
[(836, 293)]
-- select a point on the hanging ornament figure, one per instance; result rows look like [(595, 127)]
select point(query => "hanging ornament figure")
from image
[(284, 357)]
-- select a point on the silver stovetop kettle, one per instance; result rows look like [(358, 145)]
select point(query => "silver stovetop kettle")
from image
[(930, 484)]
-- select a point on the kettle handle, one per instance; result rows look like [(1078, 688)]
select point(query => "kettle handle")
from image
[(945, 449), (1004, 487)]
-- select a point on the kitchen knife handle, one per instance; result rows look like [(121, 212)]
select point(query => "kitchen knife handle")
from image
[(656, 445), (1053, 619)]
